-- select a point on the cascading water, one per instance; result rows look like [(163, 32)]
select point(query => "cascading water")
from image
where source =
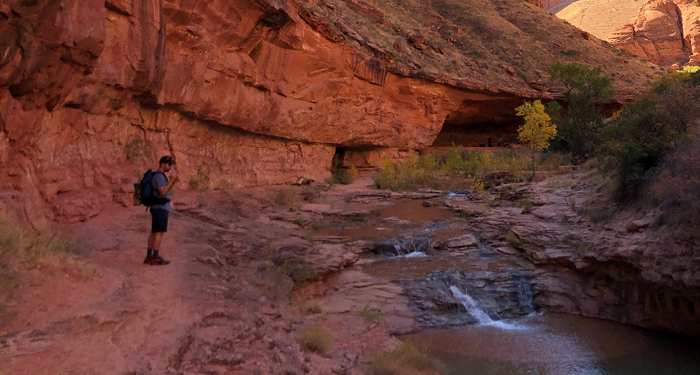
[(471, 306), (524, 291), (480, 315), (412, 246)]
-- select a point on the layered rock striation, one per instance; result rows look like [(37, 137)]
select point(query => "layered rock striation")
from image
[(252, 92), (664, 32)]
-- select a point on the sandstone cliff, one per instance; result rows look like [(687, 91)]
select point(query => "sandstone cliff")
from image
[(598, 17), (254, 92), (664, 32)]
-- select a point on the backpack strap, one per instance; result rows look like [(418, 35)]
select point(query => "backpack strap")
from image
[(155, 192)]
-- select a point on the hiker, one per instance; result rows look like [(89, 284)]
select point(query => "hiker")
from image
[(160, 209)]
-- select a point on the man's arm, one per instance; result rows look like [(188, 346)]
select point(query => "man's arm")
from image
[(165, 189)]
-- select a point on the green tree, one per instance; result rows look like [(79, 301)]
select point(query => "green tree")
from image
[(641, 136), (538, 128), (586, 88)]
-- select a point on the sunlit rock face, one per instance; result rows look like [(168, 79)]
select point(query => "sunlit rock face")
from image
[(664, 32)]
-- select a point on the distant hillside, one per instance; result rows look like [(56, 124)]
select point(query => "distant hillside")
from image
[(505, 44)]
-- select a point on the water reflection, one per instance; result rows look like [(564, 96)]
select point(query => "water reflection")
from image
[(561, 345)]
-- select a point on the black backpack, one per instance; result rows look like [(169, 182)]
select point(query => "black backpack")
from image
[(146, 195)]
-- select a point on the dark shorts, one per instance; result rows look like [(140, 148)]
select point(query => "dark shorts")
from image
[(159, 222)]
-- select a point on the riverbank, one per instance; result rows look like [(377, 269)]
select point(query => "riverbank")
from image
[(320, 279)]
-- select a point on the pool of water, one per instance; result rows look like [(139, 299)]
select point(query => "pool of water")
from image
[(557, 344), (415, 211)]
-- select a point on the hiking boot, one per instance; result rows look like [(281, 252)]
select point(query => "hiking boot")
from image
[(148, 260), (159, 261)]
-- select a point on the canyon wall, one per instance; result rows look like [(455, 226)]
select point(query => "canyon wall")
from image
[(664, 32), (247, 93)]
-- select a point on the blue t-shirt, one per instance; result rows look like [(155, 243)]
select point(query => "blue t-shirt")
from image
[(160, 181)]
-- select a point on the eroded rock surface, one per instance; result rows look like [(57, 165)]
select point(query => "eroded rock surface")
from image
[(664, 32)]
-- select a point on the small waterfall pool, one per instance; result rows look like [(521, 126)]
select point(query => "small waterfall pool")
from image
[(557, 344), (478, 290)]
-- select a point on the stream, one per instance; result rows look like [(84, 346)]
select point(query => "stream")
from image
[(485, 309)]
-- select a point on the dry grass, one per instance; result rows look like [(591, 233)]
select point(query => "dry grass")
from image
[(316, 339), (526, 205), (513, 240), (273, 284), (372, 315), (25, 249), (285, 198), (460, 169), (406, 359), (314, 307), (298, 270)]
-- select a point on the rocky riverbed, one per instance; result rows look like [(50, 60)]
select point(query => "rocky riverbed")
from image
[(255, 268)]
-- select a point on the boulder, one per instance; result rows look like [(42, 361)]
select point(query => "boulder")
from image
[(461, 242)]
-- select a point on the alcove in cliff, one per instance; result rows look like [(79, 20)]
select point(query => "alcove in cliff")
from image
[(478, 135), (486, 122)]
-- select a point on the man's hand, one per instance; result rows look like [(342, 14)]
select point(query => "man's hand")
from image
[(174, 176)]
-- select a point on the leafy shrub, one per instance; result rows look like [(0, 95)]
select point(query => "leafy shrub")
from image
[(677, 185), (316, 339), (580, 127), (344, 176), (641, 135)]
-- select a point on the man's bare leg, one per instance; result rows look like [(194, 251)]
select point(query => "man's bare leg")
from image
[(151, 240), (157, 238)]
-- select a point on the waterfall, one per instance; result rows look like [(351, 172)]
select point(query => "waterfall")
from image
[(412, 246), (471, 306), (481, 317), (524, 292)]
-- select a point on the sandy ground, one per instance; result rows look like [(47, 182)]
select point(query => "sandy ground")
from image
[(598, 17), (205, 313)]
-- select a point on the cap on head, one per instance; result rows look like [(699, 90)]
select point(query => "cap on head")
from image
[(167, 159)]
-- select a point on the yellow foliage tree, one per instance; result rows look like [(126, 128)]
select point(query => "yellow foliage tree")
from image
[(537, 130)]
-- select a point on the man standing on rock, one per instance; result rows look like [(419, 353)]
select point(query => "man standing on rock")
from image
[(161, 210)]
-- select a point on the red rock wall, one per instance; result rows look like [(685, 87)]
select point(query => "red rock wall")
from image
[(243, 93)]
